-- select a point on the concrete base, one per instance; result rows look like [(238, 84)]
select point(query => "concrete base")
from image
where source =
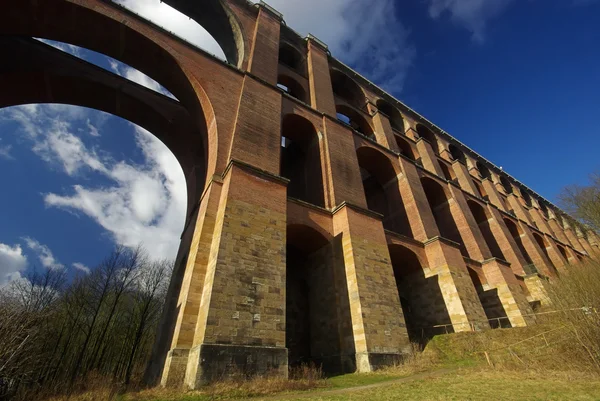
[(211, 362), (370, 361)]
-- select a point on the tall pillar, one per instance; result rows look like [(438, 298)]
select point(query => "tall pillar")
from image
[(492, 193), (537, 255), (501, 278), (188, 304), (263, 61), (556, 256), (319, 77), (241, 320), (506, 242), (515, 203), (460, 297), (573, 240), (383, 131), (584, 242), (378, 329), (428, 157), (464, 178), (420, 217), (557, 230)]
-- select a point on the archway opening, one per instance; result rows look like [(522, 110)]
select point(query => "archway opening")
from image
[(484, 172), (543, 244), (405, 147), (563, 252), (317, 314), (394, 116), (480, 190), (483, 221), (543, 208), (292, 87), (506, 184), (457, 154), (301, 160), (292, 58), (382, 191), (517, 235), (354, 119), (440, 207), (347, 90), (448, 172), (421, 297), (429, 136), (526, 197)]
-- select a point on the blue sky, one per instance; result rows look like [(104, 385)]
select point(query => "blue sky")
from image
[(516, 80)]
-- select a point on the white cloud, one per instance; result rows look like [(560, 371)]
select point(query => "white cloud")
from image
[(470, 14), (93, 131), (174, 21), (5, 151), (146, 205), (146, 202), (65, 47), (44, 254), (12, 263), (365, 34), (81, 267)]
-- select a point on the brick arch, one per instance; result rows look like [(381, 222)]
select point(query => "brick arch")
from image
[(301, 160), (122, 38), (347, 89), (221, 21), (292, 57), (396, 119), (428, 135)]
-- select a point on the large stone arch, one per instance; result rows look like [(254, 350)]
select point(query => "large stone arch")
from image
[(138, 45), (219, 20)]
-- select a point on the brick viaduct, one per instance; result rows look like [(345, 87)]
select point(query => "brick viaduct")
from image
[(326, 221)]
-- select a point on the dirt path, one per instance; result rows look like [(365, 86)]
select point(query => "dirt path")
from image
[(326, 393)]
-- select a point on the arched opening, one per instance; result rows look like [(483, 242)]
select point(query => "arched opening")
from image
[(563, 252), (292, 58), (381, 188), (292, 87), (440, 207), (457, 154), (526, 197), (506, 184), (483, 221), (429, 136), (354, 119), (517, 234), (543, 244), (484, 172), (405, 148), (396, 120), (301, 160), (421, 297), (480, 190), (544, 208), (346, 89), (316, 316), (448, 172)]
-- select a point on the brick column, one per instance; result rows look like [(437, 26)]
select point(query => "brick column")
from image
[(428, 157), (383, 131), (573, 240), (467, 226), (492, 193), (464, 178), (501, 278), (460, 297), (539, 258), (188, 304), (555, 255), (537, 288), (557, 230), (515, 203), (257, 135), (263, 61), (506, 242), (378, 327), (420, 217), (319, 78), (540, 220), (241, 321), (584, 243)]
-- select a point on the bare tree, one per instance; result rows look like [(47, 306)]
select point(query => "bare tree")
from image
[(583, 201)]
